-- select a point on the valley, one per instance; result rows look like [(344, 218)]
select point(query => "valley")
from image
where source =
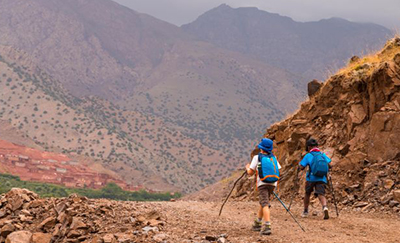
[(164, 107)]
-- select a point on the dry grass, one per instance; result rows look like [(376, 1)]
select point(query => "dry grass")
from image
[(373, 59)]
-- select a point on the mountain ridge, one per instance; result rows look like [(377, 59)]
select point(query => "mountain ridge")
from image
[(308, 49)]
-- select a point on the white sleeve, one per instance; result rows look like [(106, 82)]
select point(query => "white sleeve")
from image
[(279, 165), (254, 163)]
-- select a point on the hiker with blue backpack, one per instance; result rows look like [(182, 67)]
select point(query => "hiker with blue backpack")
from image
[(266, 167), (316, 180)]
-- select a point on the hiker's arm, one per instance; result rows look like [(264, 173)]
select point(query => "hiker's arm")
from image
[(303, 163), (250, 171), (329, 161), (251, 168)]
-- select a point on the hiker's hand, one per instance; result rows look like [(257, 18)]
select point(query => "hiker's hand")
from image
[(247, 166)]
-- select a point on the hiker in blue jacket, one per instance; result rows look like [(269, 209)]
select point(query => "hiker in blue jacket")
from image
[(318, 166)]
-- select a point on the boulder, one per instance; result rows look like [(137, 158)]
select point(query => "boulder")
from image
[(7, 229), (388, 184), (396, 195), (313, 87), (357, 114), (360, 204), (393, 203), (123, 238), (354, 59), (159, 237), (397, 58), (77, 223), (74, 234), (19, 237), (48, 223), (41, 238), (109, 238)]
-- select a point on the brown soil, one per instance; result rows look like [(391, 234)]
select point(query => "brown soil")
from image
[(193, 221)]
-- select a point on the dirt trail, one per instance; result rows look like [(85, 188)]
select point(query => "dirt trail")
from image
[(193, 221)]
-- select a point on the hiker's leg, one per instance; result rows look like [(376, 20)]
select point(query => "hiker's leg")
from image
[(322, 199), (266, 208), (258, 221), (264, 202), (320, 191), (309, 190), (260, 212), (266, 214), (306, 201)]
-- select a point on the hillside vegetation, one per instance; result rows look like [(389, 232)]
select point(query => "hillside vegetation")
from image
[(110, 191)]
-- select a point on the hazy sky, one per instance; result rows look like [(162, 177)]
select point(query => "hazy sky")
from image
[(384, 12)]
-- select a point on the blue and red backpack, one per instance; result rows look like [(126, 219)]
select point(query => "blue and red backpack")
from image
[(268, 170)]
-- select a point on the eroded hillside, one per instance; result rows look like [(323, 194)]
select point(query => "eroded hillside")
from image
[(355, 116)]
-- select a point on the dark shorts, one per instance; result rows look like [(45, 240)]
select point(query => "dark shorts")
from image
[(264, 192), (317, 187)]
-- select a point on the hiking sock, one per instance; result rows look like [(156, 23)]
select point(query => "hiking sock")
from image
[(268, 223), (259, 220)]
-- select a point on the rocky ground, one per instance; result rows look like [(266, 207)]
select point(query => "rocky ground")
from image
[(25, 218), (196, 221)]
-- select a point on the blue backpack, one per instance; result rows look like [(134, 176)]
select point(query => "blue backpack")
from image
[(268, 170), (319, 166)]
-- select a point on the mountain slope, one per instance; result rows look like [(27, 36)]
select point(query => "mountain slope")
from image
[(142, 148), (147, 85), (355, 116), (47, 114), (310, 49), (96, 47)]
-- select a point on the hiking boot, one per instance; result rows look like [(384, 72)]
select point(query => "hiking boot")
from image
[(266, 230), (304, 214), (326, 213), (257, 225)]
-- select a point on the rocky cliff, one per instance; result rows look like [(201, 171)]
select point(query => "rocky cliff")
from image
[(355, 115)]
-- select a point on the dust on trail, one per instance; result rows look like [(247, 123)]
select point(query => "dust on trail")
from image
[(193, 221)]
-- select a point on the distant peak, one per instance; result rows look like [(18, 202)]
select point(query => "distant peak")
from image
[(224, 5), (336, 19)]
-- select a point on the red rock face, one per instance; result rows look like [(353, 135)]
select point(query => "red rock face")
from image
[(35, 165), (356, 119)]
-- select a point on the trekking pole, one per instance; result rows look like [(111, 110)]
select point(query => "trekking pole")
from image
[(226, 199), (333, 194), (288, 211), (296, 183)]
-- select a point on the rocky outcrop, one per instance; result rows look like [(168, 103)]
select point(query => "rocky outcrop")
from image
[(356, 118), (313, 87), (26, 218)]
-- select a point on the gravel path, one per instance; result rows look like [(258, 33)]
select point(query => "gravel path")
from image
[(193, 221)]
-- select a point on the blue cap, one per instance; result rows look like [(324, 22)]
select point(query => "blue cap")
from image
[(266, 145)]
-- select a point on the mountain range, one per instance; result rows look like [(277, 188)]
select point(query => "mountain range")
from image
[(167, 107), (312, 50)]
